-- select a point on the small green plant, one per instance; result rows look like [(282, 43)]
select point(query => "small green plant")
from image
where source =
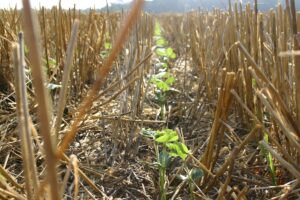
[(107, 47), (167, 145), (163, 80), (170, 147), (162, 50), (269, 158)]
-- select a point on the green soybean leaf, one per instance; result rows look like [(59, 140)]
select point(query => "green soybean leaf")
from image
[(161, 42), (157, 30), (178, 149), (163, 65), (163, 86), (160, 51), (170, 80), (173, 56), (269, 158), (167, 135), (160, 84), (170, 53), (107, 45)]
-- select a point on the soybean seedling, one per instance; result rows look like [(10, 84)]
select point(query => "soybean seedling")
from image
[(167, 145), (269, 158), (163, 80)]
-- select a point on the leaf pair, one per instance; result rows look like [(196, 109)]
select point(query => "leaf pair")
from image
[(169, 139), (165, 52), (163, 81)]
